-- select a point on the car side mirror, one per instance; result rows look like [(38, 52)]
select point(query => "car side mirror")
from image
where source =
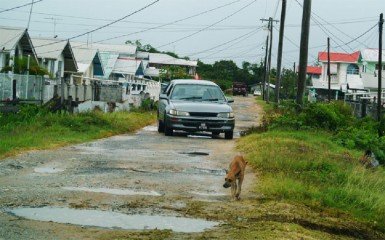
[(230, 100), (163, 96)]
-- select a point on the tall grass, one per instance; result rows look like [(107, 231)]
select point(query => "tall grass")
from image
[(34, 128), (307, 167)]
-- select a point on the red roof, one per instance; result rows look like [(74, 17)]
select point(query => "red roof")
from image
[(339, 57), (314, 70)]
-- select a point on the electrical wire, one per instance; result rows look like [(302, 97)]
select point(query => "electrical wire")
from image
[(10, 9), (104, 26), (245, 36), (166, 24), (203, 29)]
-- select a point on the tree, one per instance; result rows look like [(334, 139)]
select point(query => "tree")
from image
[(21, 67)]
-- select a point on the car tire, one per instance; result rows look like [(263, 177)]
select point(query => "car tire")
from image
[(229, 135), (160, 126), (167, 130)]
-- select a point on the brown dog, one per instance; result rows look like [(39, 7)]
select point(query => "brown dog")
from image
[(236, 172)]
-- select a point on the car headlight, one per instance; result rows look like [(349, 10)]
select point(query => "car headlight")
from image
[(226, 115), (178, 113)]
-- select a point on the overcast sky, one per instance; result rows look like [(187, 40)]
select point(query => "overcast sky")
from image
[(209, 30)]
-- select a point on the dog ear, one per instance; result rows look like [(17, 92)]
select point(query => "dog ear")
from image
[(227, 171)]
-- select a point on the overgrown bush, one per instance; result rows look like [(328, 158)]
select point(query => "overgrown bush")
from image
[(336, 118)]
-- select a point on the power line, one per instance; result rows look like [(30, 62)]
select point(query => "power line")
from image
[(104, 26), (10, 9), (203, 29), (355, 39), (170, 23), (245, 36)]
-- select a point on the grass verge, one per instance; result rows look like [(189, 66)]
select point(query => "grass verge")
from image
[(306, 167), (34, 129)]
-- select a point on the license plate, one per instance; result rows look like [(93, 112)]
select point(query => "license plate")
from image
[(203, 126)]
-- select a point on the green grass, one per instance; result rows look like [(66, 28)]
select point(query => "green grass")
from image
[(36, 129), (308, 168)]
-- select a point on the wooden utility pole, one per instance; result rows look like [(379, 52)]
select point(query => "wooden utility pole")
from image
[(328, 71), (379, 101), (265, 70), (267, 76), (280, 49), (303, 51)]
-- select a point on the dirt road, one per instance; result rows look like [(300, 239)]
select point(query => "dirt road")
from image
[(128, 187)]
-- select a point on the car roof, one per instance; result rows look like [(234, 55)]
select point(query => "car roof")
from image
[(193, 81)]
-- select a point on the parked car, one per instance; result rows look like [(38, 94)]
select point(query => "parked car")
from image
[(257, 93), (195, 106)]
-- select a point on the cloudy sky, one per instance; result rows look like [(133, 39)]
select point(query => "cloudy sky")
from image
[(209, 30)]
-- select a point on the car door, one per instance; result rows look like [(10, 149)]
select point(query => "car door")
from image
[(164, 102)]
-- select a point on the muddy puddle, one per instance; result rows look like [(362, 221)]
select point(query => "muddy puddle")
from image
[(113, 220)]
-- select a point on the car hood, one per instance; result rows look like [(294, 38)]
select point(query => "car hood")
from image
[(188, 106)]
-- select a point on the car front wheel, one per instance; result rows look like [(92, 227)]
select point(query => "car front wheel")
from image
[(167, 130), (160, 126), (229, 135)]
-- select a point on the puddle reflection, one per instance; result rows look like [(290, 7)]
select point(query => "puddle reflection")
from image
[(114, 191), (95, 218)]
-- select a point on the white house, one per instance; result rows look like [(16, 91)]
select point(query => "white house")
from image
[(370, 69), (56, 56), (15, 43)]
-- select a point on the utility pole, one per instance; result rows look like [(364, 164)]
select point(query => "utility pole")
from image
[(328, 71), (264, 80), (30, 13), (267, 76), (280, 49), (303, 51), (379, 101)]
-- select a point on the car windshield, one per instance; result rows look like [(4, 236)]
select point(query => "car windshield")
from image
[(197, 92)]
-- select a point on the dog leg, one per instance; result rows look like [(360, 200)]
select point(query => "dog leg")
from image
[(240, 180), (234, 190)]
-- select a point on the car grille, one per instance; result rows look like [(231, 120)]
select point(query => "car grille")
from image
[(203, 114)]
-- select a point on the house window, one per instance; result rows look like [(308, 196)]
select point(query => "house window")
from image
[(353, 69), (59, 68), (52, 67)]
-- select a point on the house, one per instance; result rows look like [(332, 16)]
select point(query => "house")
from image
[(314, 72), (15, 42), (370, 68), (56, 56), (161, 60), (114, 59), (89, 64), (345, 74)]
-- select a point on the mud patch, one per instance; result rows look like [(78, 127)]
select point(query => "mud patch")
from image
[(48, 170), (114, 191), (205, 171), (113, 220)]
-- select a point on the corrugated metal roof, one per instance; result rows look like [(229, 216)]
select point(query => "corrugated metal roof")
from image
[(11, 36), (161, 58), (371, 55), (108, 61), (339, 57), (114, 48), (49, 47), (126, 66), (84, 55)]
